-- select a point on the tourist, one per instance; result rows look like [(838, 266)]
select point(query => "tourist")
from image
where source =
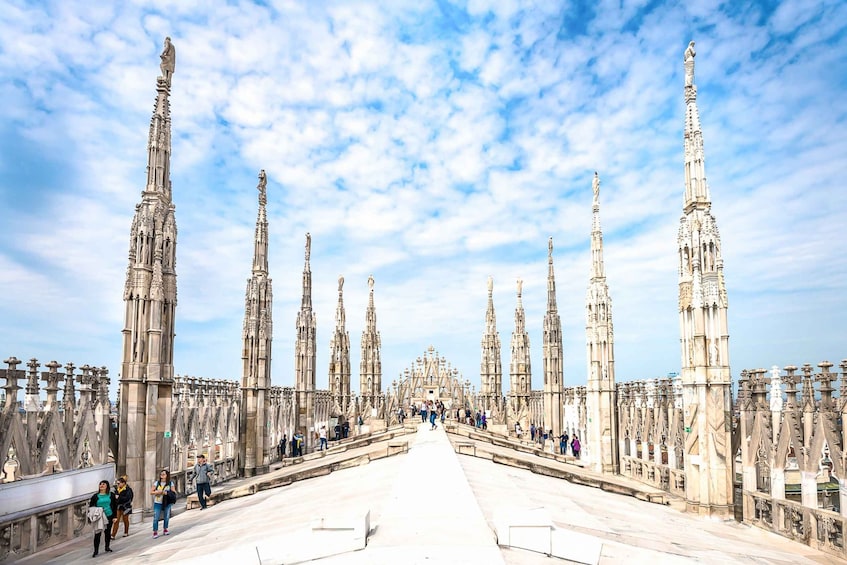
[(281, 447), (423, 412), (483, 421), (161, 506), (532, 432), (563, 443), (294, 445), (124, 496), (106, 504), (322, 438), (202, 470), (345, 428), (575, 446), (432, 416), (401, 415), (518, 430), (298, 444), (443, 414)]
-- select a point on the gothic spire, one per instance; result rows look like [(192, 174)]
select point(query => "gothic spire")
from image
[(491, 372), (370, 368), (305, 354), (257, 337), (551, 280), (598, 270), (159, 137), (696, 188), (601, 445), (704, 337), (260, 247), (306, 302), (339, 355), (520, 371), (552, 355)]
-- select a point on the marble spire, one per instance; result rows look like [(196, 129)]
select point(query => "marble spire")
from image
[(552, 354), (704, 337), (520, 368), (339, 356), (601, 445), (491, 371), (305, 353), (257, 337), (370, 369), (150, 299)]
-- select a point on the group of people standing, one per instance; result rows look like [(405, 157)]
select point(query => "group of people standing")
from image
[(540, 435), (108, 508)]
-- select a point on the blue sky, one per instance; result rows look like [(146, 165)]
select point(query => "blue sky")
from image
[(431, 144)]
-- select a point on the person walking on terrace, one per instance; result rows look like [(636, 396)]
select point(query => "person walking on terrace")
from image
[(161, 506), (322, 437), (575, 446), (432, 416), (124, 496), (102, 508), (202, 479)]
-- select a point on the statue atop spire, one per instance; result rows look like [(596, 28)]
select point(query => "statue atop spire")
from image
[(340, 283), (595, 186), (520, 287), (308, 246), (688, 59), (262, 187), (550, 248), (168, 63), (371, 283), (490, 285)]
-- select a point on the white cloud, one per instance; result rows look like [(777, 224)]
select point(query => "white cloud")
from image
[(427, 178)]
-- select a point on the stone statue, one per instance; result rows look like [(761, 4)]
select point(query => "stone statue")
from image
[(550, 247), (688, 60), (520, 286), (595, 186), (308, 245), (263, 185), (340, 282), (490, 284), (168, 63), (371, 282)]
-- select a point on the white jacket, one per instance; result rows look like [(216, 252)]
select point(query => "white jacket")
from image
[(97, 518)]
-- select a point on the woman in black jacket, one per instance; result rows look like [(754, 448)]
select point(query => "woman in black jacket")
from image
[(109, 503), (124, 495)]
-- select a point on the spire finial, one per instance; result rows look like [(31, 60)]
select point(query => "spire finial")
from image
[(262, 187), (550, 248), (688, 59), (308, 246), (490, 284), (340, 283), (520, 287), (595, 186), (168, 63), (371, 283)]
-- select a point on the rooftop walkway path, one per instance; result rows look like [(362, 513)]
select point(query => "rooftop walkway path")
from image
[(430, 505), (468, 440)]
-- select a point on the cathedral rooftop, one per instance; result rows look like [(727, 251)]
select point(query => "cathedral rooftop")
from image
[(431, 505)]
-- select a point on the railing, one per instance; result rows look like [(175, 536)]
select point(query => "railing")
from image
[(648, 472), (821, 529), (30, 523)]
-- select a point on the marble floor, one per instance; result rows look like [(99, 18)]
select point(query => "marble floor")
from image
[(431, 505)]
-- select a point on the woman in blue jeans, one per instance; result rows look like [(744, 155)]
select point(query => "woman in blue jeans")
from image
[(160, 503)]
